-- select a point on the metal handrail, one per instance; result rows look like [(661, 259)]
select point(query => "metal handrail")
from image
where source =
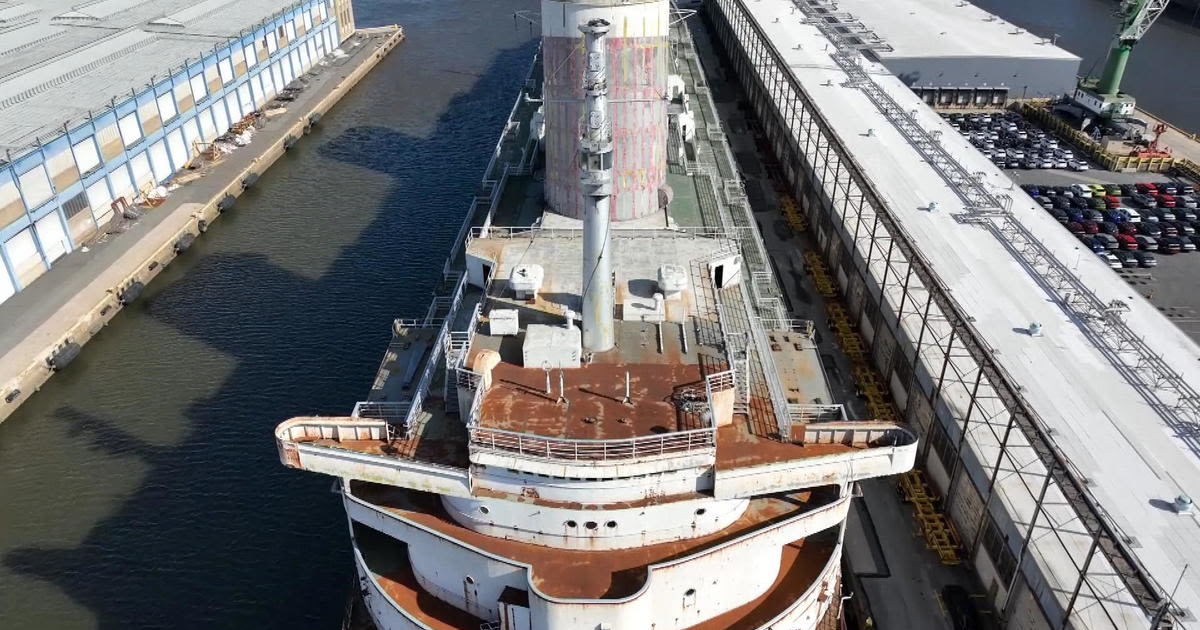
[(568, 449), (489, 180), (805, 413)]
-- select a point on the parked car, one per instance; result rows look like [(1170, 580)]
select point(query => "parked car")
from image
[(1186, 189), (1081, 190), (1168, 228), (1090, 242), (1128, 260), (1126, 189), (1145, 259), (1108, 240), (1186, 201), (1184, 227), (1150, 228), (1146, 188), (1167, 187), (1165, 200), (1112, 201), (1108, 227), (1183, 214), (1097, 203), (1125, 241), (1059, 215), (1170, 245), (1077, 165), (1091, 227), (1091, 214), (1134, 215), (1116, 215), (1127, 227), (1144, 199), (1074, 227), (1110, 259), (1075, 215), (1097, 190), (1146, 243)]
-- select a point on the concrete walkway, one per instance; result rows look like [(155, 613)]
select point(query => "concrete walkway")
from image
[(74, 299)]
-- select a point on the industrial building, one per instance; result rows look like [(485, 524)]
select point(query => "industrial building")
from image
[(1056, 407), (103, 100), (953, 53)]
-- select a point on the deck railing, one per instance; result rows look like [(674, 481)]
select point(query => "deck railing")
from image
[(860, 433), (566, 449), (499, 232), (806, 413), (391, 412)]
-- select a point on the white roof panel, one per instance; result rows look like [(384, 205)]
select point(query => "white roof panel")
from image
[(947, 28), (67, 59)]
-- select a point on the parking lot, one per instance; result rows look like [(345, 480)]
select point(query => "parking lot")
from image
[(1014, 143), (1172, 288), (1148, 244), (1145, 227)]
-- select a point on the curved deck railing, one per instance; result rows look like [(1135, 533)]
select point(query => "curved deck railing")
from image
[(525, 445)]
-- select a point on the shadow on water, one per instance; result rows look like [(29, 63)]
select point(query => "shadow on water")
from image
[(218, 534)]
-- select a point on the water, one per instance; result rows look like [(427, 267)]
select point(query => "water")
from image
[(141, 488), (1159, 73)]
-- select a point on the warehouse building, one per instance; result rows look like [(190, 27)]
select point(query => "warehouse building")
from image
[(1056, 407), (953, 53), (101, 101)]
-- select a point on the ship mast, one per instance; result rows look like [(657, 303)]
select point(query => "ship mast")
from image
[(595, 159)]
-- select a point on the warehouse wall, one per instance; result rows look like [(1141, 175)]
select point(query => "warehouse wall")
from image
[(1033, 78), (56, 196)]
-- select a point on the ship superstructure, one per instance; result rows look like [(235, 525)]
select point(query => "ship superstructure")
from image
[(607, 420)]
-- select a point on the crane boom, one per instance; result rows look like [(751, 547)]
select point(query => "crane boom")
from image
[(1136, 18)]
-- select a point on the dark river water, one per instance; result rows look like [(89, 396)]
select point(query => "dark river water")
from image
[(141, 487), (1161, 72)]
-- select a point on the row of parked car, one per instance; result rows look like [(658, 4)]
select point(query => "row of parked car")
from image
[(1125, 223), (1010, 141)]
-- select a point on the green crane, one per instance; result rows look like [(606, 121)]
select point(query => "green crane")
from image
[(1104, 96), (1136, 18)]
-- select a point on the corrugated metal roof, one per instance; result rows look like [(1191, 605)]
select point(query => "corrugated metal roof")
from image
[(59, 61)]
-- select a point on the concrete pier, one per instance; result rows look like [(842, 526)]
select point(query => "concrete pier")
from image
[(74, 300)]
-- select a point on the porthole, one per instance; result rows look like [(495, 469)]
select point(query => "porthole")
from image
[(691, 592), (469, 580), (590, 524), (610, 524), (572, 524), (483, 509), (700, 512)]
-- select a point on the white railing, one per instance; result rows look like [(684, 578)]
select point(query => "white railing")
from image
[(335, 429), (439, 344), (526, 445), (390, 412), (502, 232), (863, 433), (495, 185), (806, 413)]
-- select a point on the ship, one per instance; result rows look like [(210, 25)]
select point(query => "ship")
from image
[(607, 417)]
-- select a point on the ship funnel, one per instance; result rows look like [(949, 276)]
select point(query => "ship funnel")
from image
[(595, 159)]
